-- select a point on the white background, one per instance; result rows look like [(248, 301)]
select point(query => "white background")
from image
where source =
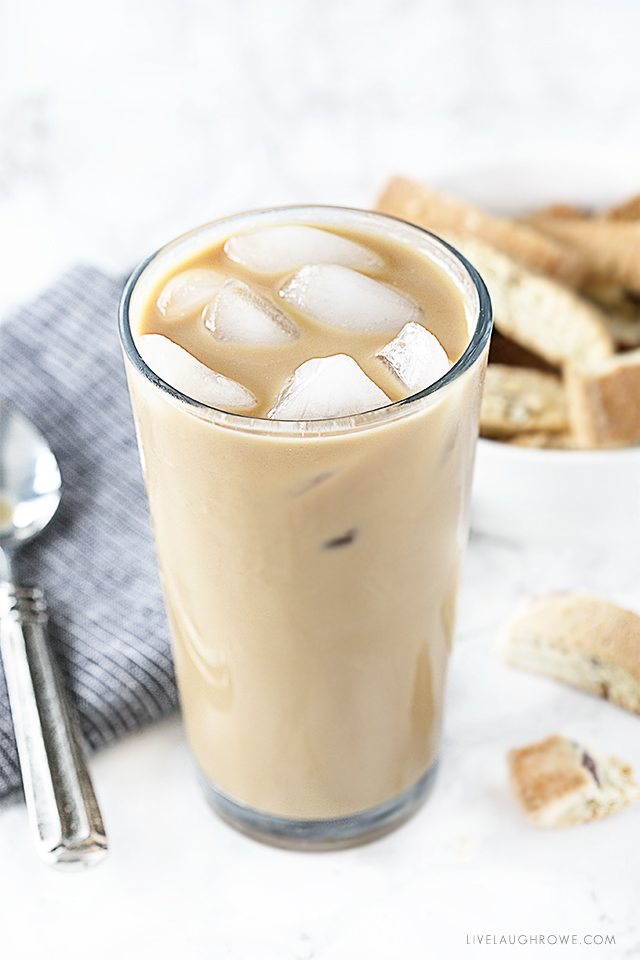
[(124, 123)]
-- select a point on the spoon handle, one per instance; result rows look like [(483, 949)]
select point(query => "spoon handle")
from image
[(61, 803)]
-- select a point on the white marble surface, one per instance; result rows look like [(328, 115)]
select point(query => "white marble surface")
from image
[(126, 122)]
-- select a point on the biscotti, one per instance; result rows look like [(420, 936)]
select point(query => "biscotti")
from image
[(564, 282), (628, 210), (610, 249), (517, 400), (559, 783), (581, 640), (604, 400), (429, 208), (536, 312)]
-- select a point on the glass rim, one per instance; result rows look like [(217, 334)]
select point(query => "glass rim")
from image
[(243, 421)]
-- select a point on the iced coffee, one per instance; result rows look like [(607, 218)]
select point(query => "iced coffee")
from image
[(305, 385)]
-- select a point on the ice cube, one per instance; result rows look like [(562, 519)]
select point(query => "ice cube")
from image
[(416, 357), (241, 315), (280, 249), (182, 371), (188, 292), (327, 387), (344, 298)]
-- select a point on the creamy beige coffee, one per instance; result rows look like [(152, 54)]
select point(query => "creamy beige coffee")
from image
[(309, 526)]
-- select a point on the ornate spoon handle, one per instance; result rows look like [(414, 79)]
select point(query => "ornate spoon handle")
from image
[(61, 802)]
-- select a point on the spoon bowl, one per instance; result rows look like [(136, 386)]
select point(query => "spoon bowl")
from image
[(30, 481)]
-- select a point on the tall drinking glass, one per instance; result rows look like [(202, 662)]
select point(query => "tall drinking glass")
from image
[(311, 679)]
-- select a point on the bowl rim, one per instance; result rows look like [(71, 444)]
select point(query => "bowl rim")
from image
[(578, 457)]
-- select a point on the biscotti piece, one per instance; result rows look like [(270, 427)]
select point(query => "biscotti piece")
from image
[(582, 640), (559, 783), (610, 249), (516, 400), (629, 210), (565, 211), (443, 214), (604, 400), (536, 312)]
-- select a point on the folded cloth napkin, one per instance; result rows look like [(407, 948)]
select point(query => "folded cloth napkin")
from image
[(60, 364)]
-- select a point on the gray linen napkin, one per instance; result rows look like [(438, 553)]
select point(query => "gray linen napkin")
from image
[(60, 364)]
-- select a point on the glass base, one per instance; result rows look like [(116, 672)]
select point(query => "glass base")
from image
[(329, 834)]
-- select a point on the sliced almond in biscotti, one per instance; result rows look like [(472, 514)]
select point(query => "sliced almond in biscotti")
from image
[(610, 249), (516, 400), (604, 400), (581, 640), (559, 783), (419, 204), (537, 312)]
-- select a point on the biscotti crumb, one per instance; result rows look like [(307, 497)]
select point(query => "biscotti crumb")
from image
[(559, 783)]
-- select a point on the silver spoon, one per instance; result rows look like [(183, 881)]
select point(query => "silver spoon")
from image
[(61, 803)]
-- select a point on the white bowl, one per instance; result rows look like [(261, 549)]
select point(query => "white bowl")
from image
[(556, 496), (553, 496)]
